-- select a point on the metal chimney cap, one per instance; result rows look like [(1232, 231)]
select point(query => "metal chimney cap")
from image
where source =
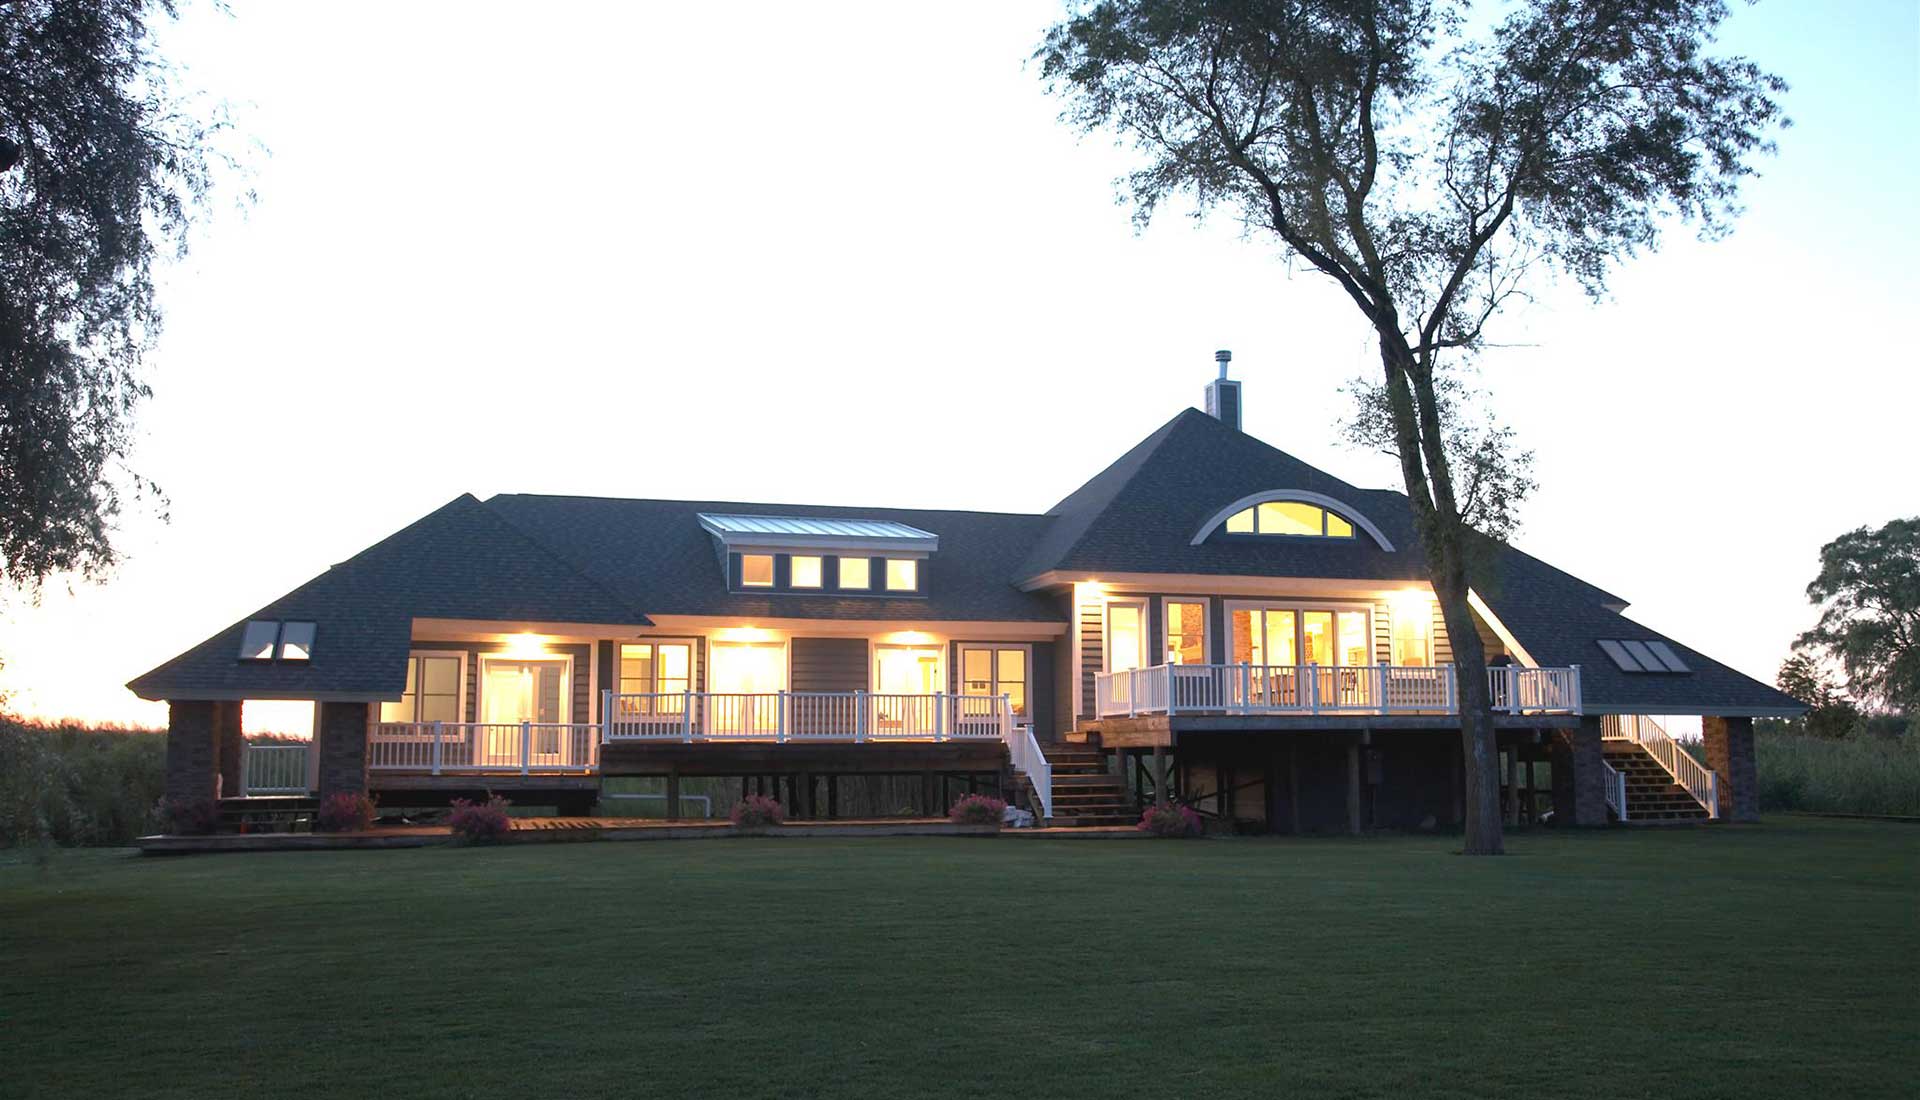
[(1223, 356)]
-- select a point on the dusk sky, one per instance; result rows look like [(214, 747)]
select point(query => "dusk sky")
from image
[(847, 254)]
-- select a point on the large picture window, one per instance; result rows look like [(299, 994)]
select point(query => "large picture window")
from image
[(997, 670), (1279, 635), (1186, 632), (433, 690), (661, 669)]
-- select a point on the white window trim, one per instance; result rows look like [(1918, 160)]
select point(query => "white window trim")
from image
[(993, 648), (1299, 624), (460, 692), (1106, 630), (693, 659), (783, 644), (821, 573), (1206, 624), (480, 682), (1299, 496), (773, 571)]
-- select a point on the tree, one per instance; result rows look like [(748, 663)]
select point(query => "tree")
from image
[(1428, 172), (1868, 592), (1829, 712), (115, 162)]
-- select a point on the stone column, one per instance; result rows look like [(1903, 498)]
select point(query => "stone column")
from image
[(343, 748), (1579, 786), (193, 749), (226, 719), (1729, 744)]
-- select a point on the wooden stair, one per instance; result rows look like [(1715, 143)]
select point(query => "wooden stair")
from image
[(267, 814), (1653, 798), (1085, 793)]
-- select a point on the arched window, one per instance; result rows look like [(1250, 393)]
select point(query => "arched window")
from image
[(1292, 512), (1289, 517)]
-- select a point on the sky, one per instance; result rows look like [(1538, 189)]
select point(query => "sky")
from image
[(847, 254)]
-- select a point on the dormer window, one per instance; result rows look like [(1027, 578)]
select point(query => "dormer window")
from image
[(756, 570), (271, 639), (1289, 517), (815, 553), (903, 574)]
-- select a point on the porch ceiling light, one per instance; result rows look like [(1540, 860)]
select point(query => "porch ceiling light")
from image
[(526, 645)]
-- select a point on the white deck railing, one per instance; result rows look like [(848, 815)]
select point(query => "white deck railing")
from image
[(1327, 689), (1696, 778), (1616, 788), (784, 716), (1032, 763), (273, 767), (523, 747)]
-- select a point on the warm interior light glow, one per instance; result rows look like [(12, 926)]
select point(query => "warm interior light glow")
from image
[(907, 637), (525, 645), (1410, 599), (745, 634)]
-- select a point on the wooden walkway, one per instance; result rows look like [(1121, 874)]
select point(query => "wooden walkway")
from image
[(549, 830)]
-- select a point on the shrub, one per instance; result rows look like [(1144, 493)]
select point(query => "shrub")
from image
[(66, 784), (344, 812), (977, 809), (480, 822), (757, 811), (189, 816), (1171, 821)]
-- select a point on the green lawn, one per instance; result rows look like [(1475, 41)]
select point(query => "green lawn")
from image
[(1780, 960)]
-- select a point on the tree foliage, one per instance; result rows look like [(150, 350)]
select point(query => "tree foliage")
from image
[(1868, 592), (1829, 712), (117, 161), (1430, 169)]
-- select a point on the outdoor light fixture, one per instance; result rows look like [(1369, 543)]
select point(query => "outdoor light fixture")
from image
[(525, 646)]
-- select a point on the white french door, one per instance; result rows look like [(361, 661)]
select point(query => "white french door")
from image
[(744, 679), (515, 691)]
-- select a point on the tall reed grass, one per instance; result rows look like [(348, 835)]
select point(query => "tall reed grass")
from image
[(1859, 774), (71, 785)]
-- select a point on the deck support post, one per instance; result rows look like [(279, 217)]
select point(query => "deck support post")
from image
[(833, 796), (1729, 746), (1160, 776), (1533, 797), (1457, 769), (1513, 785), (1353, 789), (806, 794), (1579, 789), (926, 793), (1293, 784), (233, 747), (673, 794), (193, 749)]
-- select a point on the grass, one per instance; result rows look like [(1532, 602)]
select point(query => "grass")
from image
[(1753, 962), (1859, 774)]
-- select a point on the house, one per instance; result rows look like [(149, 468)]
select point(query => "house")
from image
[(1208, 615)]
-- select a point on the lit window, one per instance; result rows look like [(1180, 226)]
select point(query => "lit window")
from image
[(856, 573), (433, 692), (659, 670), (258, 641), (806, 572), (1186, 632), (1289, 517), (903, 574), (1126, 636), (1412, 633), (756, 570), (996, 670), (296, 641)]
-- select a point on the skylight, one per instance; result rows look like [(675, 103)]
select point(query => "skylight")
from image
[(1634, 655), (272, 639)]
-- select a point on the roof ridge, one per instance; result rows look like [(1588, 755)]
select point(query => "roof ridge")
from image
[(767, 504)]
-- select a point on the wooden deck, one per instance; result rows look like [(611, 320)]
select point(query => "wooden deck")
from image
[(552, 830)]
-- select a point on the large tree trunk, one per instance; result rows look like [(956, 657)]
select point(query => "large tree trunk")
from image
[(1418, 439)]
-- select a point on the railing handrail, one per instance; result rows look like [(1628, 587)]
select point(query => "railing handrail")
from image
[(1616, 789), (1694, 777), (274, 767), (1380, 688), (782, 716)]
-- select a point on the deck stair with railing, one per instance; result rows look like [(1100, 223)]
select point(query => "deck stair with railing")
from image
[(1662, 781), (267, 813), (1085, 793), (1653, 797)]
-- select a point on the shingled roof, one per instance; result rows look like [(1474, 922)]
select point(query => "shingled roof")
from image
[(656, 555), (461, 561)]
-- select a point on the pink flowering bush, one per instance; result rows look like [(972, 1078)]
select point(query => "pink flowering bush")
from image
[(757, 811), (189, 816), (480, 822), (977, 809), (344, 812), (1171, 821)]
